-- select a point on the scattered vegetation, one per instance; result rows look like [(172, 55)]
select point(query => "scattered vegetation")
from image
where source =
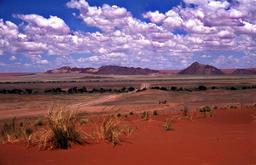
[(205, 110), (80, 90), (233, 107)]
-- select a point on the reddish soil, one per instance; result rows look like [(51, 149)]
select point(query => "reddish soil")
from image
[(228, 138)]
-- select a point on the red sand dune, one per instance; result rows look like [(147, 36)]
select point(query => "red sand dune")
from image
[(226, 139)]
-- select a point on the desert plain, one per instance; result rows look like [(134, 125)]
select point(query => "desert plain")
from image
[(172, 119)]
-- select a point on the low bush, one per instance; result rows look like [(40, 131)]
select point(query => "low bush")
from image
[(201, 88)]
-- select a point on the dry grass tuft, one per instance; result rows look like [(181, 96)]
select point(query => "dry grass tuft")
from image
[(144, 116), (184, 111), (62, 129), (168, 125), (111, 130), (11, 132)]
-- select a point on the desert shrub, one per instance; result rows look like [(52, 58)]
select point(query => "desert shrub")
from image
[(155, 113), (201, 88), (205, 110), (215, 107), (173, 88), (15, 91), (156, 87), (214, 87), (118, 115), (131, 113), (110, 130), (233, 88), (144, 115), (82, 90), (62, 129), (188, 90), (131, 89), (163, 88), (73, 90), (180, 89), (29, 91), (167, 125), (245, 87), (54, 91), (123, 89)]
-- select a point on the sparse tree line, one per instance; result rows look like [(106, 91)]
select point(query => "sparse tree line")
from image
[(80, 90), (203, 88), (72, 90)]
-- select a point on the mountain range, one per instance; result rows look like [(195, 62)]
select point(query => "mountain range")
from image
[(105, 70), (195, 68)]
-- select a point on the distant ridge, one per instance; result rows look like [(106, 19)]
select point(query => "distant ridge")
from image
[(105, 70), (244, 72), (200, 69)]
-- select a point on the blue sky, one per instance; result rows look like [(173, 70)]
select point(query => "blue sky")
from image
[(37, 35)]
